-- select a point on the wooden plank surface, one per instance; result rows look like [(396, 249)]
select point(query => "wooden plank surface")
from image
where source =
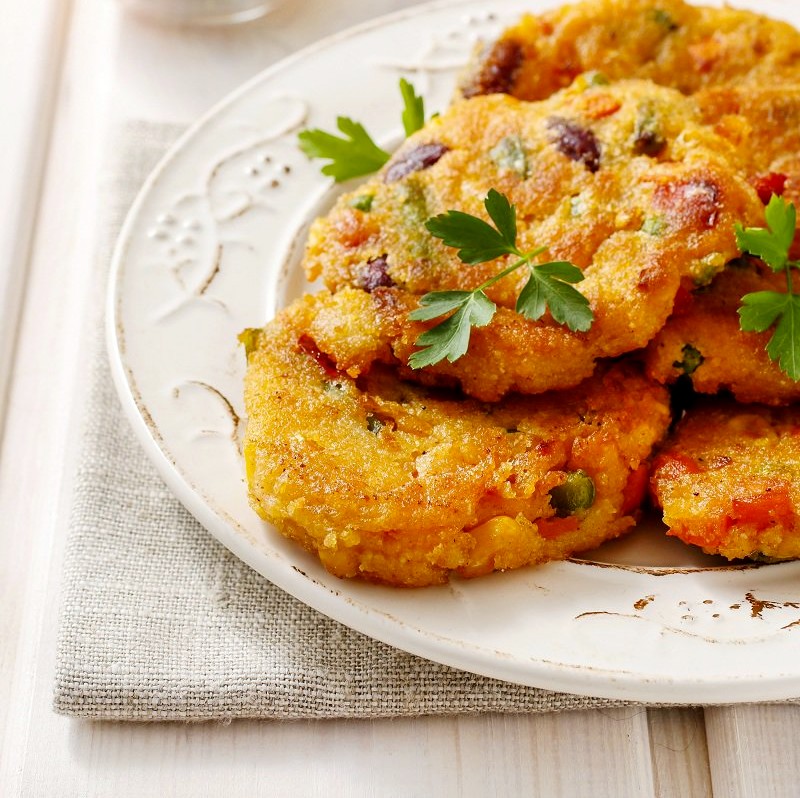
[(49, 369), (32, 37), (680, 753), (754, 751)]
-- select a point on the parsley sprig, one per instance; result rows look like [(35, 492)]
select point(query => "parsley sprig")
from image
[(549, 285), (763, 309), (356, 154)]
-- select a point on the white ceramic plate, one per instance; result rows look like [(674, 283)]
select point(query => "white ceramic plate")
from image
[(212, 246)]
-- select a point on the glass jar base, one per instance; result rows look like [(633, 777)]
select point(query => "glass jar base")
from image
[(200, 13)]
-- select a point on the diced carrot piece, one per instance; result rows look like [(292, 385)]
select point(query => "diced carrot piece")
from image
[(635, 488), (773, 507), (551, 528)]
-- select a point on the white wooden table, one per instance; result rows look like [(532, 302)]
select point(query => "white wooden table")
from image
[(70, 69)]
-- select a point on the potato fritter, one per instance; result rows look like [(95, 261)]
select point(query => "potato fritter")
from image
[(668, 41), (702, 340), (399, 484), (620, 179), (729, 480)]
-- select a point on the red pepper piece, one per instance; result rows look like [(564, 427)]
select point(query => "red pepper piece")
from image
[(635, 488), (551, 528)]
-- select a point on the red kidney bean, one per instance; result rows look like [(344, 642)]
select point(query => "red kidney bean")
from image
[(375, 275), (497, 70), (576, 142), (417, 158)]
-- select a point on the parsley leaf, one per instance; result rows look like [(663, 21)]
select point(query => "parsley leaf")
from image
[(437, 303), (759, 312), (450, 339), (763, 309), (772, 244), (504, 216), (353, 156), (548, 286), (356, 154), (413, 108), (477, 240)]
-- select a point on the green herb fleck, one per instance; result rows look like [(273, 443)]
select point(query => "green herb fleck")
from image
[(577, 207), (654, 226), (509, 153), (764, 309), (374, 424), (362, 202), (249, 339), (664, 19), (708, 268), (692, 358), (548, 286), (647, 138), (595, 78)]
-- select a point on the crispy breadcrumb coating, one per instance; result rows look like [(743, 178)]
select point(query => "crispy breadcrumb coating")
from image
[(703, 341), (621, 180), (669, 42), (396, 483), (729, 480)]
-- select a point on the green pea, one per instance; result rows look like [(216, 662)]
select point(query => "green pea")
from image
[(574, 494)]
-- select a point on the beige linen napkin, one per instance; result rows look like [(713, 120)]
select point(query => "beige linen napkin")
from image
[(160, 622)]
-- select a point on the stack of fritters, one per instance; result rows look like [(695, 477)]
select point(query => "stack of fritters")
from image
[(535, 445)]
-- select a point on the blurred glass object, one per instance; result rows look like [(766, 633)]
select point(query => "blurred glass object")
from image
[(200, 12)]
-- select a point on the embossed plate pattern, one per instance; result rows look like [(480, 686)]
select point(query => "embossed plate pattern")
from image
[(212, 246)]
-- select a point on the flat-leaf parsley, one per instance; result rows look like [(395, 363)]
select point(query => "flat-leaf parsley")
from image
[(356, 154), (763, 309), (548, 286)]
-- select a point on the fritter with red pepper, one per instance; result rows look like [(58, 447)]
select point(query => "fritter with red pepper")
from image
[(667, 41), (729, 480), (622, 180), (763, 121), (404, 485), (703, 340)]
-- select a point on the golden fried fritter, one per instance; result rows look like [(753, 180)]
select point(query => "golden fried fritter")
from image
[(619, 179), (729, 480), (702, 339), (763, 121), (666, 41), (395, 483)]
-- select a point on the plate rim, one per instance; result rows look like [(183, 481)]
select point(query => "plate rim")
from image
[(560, 676)]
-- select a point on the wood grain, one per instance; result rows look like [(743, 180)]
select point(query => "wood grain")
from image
[(753, 751), (680, 753), (32, 38), (39, 440)]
